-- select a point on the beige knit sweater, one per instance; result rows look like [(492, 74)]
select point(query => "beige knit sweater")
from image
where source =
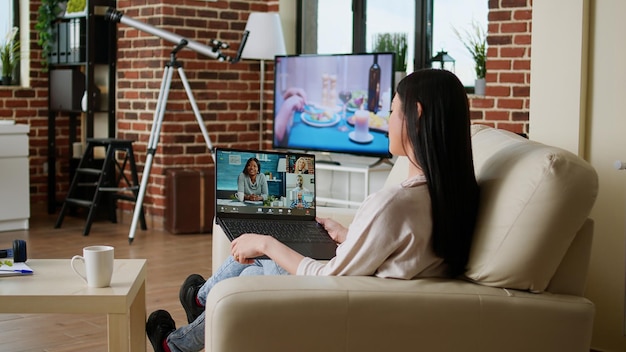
[(390, 237)]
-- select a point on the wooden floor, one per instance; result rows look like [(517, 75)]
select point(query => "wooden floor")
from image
[(171, 258)]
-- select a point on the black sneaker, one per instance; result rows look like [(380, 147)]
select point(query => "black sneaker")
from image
[(188, 292), (159, 325)]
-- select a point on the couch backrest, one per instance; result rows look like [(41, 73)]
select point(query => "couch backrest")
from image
[(534, 198)]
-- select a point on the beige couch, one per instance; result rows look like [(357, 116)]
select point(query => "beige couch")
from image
[(523, 290)]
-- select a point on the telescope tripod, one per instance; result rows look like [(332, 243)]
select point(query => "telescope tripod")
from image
[(157, 122)]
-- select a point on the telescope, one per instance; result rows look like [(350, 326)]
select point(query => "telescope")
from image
[(213, 51)]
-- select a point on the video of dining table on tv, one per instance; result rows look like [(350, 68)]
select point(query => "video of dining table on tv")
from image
[(275, 183), (333, 103)]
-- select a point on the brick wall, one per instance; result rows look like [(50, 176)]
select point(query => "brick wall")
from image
[(507, 97), (227, 94)]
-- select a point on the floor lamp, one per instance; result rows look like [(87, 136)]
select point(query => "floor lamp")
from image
[(264, 42)]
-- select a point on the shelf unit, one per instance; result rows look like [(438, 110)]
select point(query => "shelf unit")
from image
[(82, 63), (365, 170)]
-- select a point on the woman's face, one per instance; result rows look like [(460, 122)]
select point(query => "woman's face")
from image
[(397, 138), (252, 168), (300, 164)]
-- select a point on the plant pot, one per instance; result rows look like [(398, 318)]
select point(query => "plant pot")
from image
[(479, 86), (6, 80)]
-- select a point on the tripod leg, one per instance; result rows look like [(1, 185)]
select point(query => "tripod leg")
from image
[(152, 146), (196, 111)]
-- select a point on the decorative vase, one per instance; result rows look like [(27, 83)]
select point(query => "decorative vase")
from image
[(479, 86), (6, 80)]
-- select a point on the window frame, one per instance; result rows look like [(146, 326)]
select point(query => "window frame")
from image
[(423, 29), (15, 22)]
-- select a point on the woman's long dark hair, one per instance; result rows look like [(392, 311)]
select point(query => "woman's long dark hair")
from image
[(441, 141)]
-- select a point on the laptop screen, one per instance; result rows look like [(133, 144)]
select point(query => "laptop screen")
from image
[(272, 183)]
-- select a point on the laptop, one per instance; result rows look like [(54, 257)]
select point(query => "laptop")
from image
[(286, 211)]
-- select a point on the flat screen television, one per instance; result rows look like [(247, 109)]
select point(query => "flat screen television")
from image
[(348, 98)]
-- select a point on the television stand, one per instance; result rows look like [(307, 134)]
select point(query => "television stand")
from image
[(328, 162), (381, 161), (345, 199)]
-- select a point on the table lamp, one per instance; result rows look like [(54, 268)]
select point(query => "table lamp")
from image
[(264, 42)]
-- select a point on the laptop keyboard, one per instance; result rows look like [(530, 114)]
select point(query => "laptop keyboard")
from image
[(284, 231)]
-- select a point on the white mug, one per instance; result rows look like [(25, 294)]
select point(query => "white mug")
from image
[(98, 261)]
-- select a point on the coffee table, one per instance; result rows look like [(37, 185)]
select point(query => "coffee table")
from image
[(55, 288)]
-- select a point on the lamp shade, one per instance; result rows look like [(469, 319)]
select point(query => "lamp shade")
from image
[(266, 37), (282, 165)]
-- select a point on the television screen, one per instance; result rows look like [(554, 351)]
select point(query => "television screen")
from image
[(348, 98)]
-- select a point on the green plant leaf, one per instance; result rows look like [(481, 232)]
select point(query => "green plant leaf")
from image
[(47, 14), (475, 41)]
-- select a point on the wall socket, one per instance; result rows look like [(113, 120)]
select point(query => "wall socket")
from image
[(45, 167)]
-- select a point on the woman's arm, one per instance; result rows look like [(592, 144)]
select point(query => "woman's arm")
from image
[(284, 118), (249, 245)]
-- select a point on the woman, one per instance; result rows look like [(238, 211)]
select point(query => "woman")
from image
[(420, 228), (301, 166), (251, 182)]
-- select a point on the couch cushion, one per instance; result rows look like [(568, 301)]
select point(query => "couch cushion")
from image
[(533, 200)]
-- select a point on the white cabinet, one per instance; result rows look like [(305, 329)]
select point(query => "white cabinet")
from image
[(14, 177)]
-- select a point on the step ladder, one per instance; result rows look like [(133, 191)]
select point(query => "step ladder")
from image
[(110, 179)]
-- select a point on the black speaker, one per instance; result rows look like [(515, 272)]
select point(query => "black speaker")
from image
[(18, 252)]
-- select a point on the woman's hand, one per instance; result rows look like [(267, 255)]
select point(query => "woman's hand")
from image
[(295, 91), (336, 231), (253, 197), (248, 246)]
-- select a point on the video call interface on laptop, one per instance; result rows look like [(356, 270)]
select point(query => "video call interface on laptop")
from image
[(290, 181)]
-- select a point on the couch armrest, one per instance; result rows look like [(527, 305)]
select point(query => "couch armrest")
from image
[(221, 244), (571, 275), (291, 313)]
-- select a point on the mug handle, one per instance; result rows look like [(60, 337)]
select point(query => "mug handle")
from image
[(78, 257)]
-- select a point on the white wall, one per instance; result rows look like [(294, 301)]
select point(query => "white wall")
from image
[(593, 125)]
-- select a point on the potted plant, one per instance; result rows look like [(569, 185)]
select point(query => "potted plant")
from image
[(9, 56), (395, 43), (48, 12), (475, 41)]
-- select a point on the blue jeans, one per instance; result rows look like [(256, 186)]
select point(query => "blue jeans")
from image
[(190, 338)]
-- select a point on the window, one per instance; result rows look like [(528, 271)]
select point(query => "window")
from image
[(9, 18), (343, 26), (459, 14)]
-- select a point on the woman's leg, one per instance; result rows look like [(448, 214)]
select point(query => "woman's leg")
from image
[(230, 268), (191, 337)]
